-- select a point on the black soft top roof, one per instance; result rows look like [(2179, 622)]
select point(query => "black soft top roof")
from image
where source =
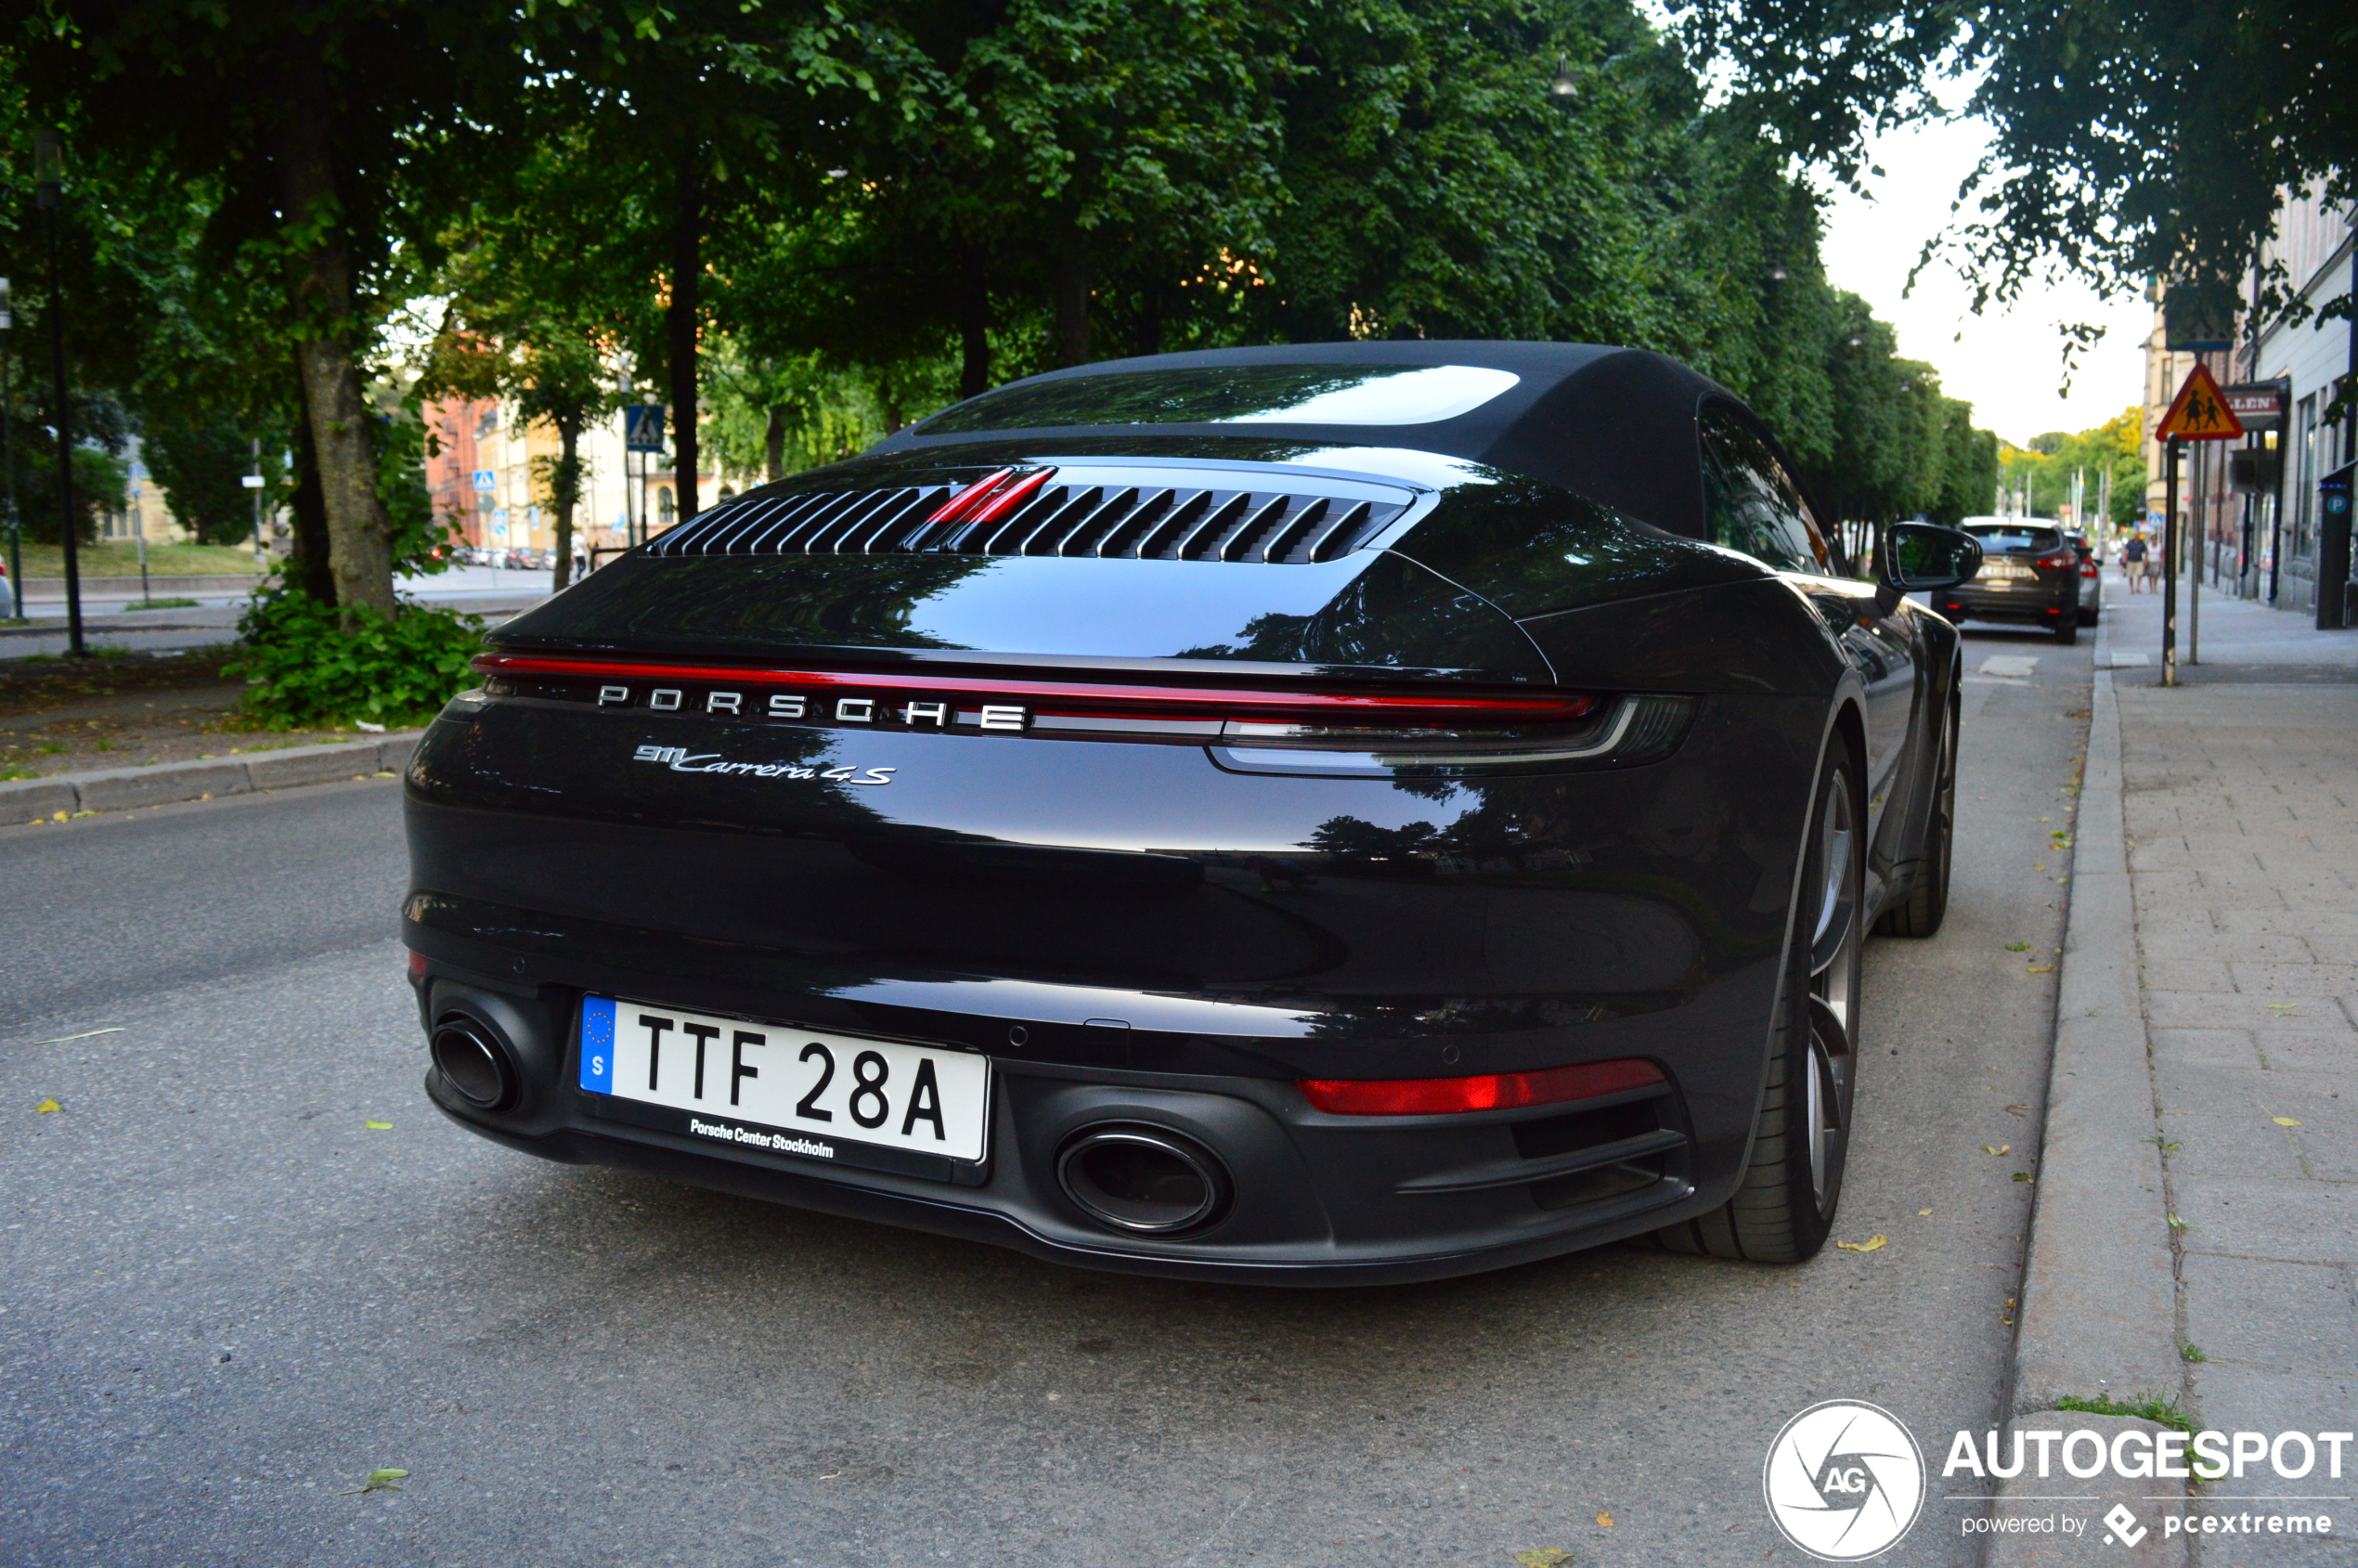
[(1613, 424)]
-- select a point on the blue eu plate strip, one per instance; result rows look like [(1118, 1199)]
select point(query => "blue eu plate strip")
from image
[(597, 1043)]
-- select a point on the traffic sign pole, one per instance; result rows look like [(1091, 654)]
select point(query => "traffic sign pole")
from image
[(2170, 562)]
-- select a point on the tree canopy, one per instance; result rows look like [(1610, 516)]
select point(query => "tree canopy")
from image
[(809, 223)]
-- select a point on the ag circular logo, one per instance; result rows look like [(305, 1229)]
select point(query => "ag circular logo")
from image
[(1844, 1480)]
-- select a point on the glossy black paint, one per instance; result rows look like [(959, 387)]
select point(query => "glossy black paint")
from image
[(1135, 933)]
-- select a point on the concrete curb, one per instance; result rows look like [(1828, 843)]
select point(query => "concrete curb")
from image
[(2031, 1496), (27, 800), (2099, 1313)]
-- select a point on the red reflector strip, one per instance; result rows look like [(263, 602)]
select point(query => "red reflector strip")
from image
[(958, 508), (1490, 1091), (1010, 497), (1057, 696), (416, 962)]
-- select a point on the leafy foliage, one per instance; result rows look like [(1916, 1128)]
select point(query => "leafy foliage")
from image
[(2051, 459), (200, 460), (2135, 138), (304, 669)]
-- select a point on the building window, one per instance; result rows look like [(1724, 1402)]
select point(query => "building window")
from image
[(665, 510)]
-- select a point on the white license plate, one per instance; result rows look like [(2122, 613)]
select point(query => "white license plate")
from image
[(784, 1088), (2007, 571)]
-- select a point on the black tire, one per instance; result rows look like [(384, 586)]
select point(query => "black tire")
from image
[(1783, 1209), (2068, 632), (2088, 613), (1920, 913)]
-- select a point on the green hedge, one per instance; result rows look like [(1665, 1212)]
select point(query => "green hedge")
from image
[(304, 670)]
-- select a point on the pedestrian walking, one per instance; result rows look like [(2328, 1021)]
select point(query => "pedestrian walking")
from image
[(2132, 559)]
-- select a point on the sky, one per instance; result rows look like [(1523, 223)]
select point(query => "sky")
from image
[(2007, 365)]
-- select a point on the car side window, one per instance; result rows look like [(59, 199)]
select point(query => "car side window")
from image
[(1751, 505)]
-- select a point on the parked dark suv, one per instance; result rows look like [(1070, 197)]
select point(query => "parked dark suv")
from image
[(2029, 576)]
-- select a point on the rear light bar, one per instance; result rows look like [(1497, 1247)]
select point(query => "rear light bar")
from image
[(1490, 1091), (1090, 699), (2060, 558), (1442, 730)]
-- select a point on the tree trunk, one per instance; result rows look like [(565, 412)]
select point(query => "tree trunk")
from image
[(974, 327), (773, 447), (687, 275), (565, 492), (314, 569), (359, 535), (1070, 282)]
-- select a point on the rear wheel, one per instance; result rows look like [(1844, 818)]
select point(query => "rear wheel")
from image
[(1785, 1208), (1920, 913)]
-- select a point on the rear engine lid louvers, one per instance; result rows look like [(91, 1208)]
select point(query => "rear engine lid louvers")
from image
[(1133, 514)]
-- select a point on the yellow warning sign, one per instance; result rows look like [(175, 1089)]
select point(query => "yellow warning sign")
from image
[(2200, 413)]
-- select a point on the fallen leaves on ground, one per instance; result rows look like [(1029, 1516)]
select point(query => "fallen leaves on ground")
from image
[(2018, 1110), (1997, 1149), (378, 1481), (46, 1107), (1862, 1246), (1923, 1211), (2042, 969), (381, 1126), (2286, 1121), (1544, 1557), (2017, 947), (2022, 1175), (1605, 1519)]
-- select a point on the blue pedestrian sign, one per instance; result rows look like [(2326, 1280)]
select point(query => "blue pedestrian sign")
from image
[(642, 427), (484, 479)]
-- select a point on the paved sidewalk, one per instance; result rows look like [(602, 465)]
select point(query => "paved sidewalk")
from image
[(2240, 805)]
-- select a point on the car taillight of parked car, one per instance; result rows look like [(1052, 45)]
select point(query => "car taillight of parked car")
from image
[(2059, 558)]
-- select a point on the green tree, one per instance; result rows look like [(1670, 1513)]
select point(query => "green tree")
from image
[(319, 126), (2135, 139)]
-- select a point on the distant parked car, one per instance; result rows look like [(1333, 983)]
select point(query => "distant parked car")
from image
[(2029, 574)]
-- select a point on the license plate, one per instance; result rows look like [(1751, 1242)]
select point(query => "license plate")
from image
[(2007, 571), (785, 1089)]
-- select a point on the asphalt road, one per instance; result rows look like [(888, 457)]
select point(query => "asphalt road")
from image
[(226, 1297)]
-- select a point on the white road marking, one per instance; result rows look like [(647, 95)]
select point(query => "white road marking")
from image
[(2009, 663)]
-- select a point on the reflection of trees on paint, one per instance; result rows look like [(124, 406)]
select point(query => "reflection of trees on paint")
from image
[(863, 601), (1394, 613)]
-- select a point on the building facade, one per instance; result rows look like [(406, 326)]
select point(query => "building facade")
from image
[(2314, 245), (490, 478)]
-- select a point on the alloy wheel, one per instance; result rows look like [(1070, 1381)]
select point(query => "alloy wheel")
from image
[(1833, 986)]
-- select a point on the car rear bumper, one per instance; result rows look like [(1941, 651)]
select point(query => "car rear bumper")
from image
[(2037, 604), (1317, 1198)]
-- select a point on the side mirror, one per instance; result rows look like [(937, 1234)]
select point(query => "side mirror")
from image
[(1920, 557)]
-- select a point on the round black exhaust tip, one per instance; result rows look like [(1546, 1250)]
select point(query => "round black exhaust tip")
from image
[(475, 1063), (1143, 1179)]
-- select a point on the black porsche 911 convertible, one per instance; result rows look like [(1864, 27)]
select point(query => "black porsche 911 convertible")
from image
[(1325, 814)]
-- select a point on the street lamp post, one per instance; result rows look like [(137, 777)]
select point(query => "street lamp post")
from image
[(48, 158)]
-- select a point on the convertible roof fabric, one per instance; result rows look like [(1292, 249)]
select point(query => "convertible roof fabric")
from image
[(1615, 424)]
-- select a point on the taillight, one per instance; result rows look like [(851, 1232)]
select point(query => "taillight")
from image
[(2059, 558), (1489, 1091), (1251, 728), (2087, 569)]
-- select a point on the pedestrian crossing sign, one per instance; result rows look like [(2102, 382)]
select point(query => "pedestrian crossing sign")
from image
[(2200, 413)]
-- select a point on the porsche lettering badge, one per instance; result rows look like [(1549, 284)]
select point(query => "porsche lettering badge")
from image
[(679, 759)]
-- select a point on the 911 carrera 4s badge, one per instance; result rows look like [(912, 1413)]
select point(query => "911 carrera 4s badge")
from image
[(679, 759)]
